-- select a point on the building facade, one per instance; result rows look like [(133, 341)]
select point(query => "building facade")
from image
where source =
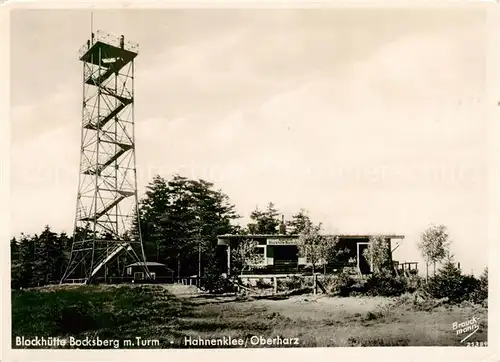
[(279, 254)]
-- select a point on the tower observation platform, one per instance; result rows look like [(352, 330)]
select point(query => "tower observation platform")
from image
[(107, 232)]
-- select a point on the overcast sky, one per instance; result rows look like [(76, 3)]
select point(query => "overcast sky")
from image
[(373, 120)]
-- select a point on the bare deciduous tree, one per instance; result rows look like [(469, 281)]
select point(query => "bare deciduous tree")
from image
[(314, 246), (434, 245)]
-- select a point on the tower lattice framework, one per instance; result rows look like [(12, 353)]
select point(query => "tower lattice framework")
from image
[(107, 197)]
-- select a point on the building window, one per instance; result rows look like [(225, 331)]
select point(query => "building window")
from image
[(138, 275), (129, 271)]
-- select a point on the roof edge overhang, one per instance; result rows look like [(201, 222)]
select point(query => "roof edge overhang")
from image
[(145, 263), (227, 236), (222, 239)]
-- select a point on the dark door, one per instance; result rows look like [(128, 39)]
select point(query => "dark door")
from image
[(364, 264)]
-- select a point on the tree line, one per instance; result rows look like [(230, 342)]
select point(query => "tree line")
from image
[(180, 220), (39, 259)]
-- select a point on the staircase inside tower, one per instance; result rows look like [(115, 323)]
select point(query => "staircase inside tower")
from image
[(102, 212), (112, 255)]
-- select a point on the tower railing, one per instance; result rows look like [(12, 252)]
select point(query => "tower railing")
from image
[(110, 39)]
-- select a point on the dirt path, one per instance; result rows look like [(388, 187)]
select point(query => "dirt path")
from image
[(302, 306), (321, 306)]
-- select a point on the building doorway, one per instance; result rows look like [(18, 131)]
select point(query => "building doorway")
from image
[(364, 265)]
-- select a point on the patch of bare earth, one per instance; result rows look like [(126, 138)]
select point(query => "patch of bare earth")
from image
[(323, 321)]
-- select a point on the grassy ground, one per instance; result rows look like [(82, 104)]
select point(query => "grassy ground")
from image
[(171, 313)]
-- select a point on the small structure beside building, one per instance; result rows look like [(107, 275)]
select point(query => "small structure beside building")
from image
[(280, 253), (160, 273)]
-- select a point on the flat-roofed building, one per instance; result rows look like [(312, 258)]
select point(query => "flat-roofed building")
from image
[(279, 254)]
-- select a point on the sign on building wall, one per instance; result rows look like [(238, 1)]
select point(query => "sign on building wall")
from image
[(282, 241)]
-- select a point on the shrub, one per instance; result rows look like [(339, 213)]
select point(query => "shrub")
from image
[(342, 284), (291, 283), (385, 284), (327, 281), (451, 284), (359, 288), (263, 284), (480, 294), (217, 284), (412, 283), (469, 285), (371, 316)]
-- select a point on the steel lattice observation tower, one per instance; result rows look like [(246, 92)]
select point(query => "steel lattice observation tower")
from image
[(107, 197)]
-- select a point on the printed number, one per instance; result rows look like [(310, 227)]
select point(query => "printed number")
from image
[(477, 344)]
